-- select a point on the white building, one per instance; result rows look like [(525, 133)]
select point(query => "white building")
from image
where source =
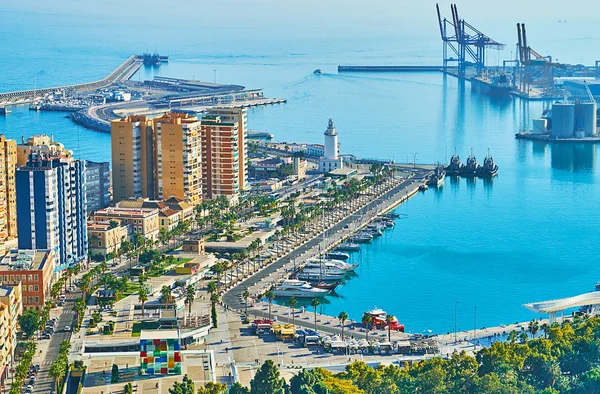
[(331, 159)]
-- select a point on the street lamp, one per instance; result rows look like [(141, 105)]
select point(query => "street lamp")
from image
[(414, 160), (455, 313)]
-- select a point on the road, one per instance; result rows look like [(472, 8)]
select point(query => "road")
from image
[(233, 298), (44, 383)]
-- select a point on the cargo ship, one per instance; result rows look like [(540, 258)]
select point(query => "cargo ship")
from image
[(494, 86)]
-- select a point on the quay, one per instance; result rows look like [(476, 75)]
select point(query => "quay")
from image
[(121, 73), (340, 231), (530, 136), (392, 69)]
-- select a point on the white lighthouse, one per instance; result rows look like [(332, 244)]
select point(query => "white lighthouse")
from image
[(331, 160)]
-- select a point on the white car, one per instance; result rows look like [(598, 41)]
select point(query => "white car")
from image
[(67, 328)]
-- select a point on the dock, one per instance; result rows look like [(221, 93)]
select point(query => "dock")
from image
[(530, 136), (121, 73), (391, 69)]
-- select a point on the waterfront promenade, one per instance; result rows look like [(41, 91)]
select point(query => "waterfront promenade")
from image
[(335, 233)]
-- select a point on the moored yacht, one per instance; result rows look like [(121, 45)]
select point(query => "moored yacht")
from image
[(349, 247), (323, 263), (298, 288), (337, 256), (314, 276)]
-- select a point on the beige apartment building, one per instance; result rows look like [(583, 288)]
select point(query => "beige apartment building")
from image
[(11, 307), (8, 190), (220, 159), (144, 221), (133, 157), (40, 143), (178, 164), (105, 237)]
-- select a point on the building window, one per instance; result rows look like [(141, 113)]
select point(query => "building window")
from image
[(36, 288), (6, 278), (30, 300), (30, 288), (12, 278), (30, 278), (37, 299), (36, 277), (23, 278)]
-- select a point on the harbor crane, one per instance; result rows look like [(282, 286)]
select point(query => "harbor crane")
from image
[(465, 42), (533, 66)]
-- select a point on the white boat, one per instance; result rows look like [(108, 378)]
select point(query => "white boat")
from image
[(337, 255), (327, 263), (298, 288), (316, 276), (325, 270), (349, 246)]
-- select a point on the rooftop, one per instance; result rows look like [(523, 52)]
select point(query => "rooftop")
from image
[(19, 259), (159, 334), (118, 211)]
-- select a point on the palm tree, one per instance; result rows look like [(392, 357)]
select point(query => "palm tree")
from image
[(190, 295), (343, 316), (315, 303), (367, 320), (246, 294), (523, 337), (165, 293), (533, 327), (293, 303), (512, 336), (143, 297), (270, 296), (545, 329), (389, 319), (212, 287)]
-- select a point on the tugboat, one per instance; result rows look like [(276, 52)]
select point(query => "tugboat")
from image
[(489, 169), (437, 179), (471, 169), (455, 165)]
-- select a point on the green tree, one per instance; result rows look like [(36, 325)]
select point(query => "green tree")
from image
[(367, 319), (214, 298), (388, 320), (185, 387), (267, 380), (213, 388), (293, 302), (114, 374), (190, 296), (143, 297), (166, 296), (129, 388), (315, 303), (308, 381), (29, 322), (343, 316), (270, 296), (237, 388), (246, 295)]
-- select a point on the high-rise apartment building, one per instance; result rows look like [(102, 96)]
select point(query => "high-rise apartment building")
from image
[(239, 115), (220, 158), (133, 158), (8, 192), (10, 310), (178, 164), (51, 208), (42, 144), (97, 185)]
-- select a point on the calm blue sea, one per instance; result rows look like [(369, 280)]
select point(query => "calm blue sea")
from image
[(530, 235)]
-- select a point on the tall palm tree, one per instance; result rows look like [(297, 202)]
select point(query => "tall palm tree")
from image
[(270, 296), (545, 329), (190, 295), (143, 297), (246, 294), (315, 303), (293, 303), (212, 287), (513, 336), (165, 293), (367, 320), (343, 316), (389, 319), (533, 327)]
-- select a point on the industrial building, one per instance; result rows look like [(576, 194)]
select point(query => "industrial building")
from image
[(51, 207), (8, 191)]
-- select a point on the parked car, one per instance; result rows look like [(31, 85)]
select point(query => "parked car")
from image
[(67, 328)]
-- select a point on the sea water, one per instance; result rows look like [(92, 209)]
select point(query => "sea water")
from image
[(528, 235)]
